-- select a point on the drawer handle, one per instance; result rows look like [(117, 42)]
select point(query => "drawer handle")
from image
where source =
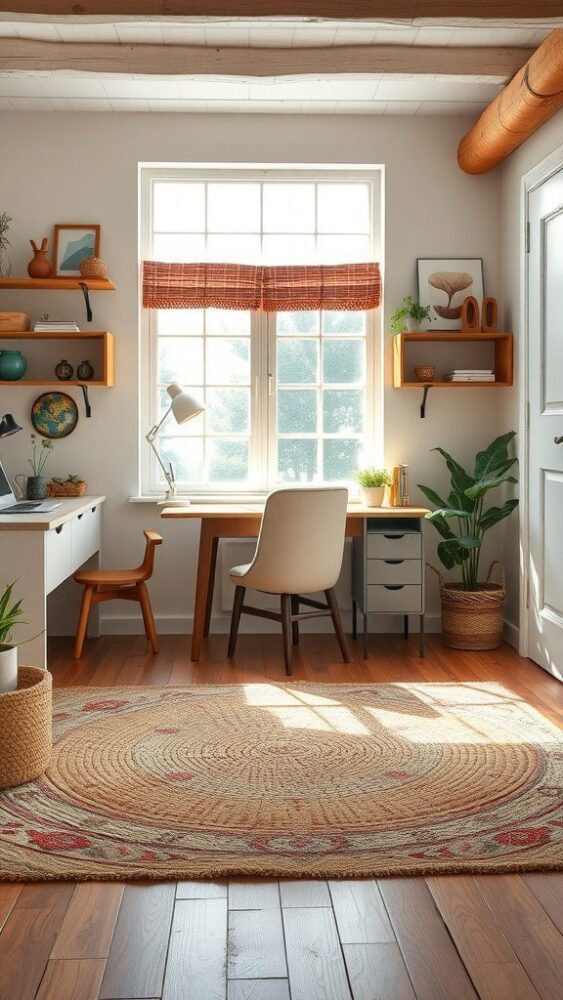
[(59, 529), (393, 586), (392, 537), (393, 562), (94, 510), (80, 516)]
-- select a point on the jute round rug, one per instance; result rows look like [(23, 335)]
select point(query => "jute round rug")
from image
[(289, 780)]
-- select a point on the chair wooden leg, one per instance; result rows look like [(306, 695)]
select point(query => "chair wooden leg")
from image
[(83, 621), (340, 635), (235, 619), (150, 628), (295, 625), (286, 630)]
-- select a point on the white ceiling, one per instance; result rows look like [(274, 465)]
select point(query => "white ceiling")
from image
[(372, 94)]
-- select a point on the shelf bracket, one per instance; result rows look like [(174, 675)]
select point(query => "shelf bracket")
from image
[(87, 406), (423, 404), (86, 295)]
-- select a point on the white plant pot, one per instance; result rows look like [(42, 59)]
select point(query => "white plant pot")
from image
[(8, 668), (373, 495), (416, 326)]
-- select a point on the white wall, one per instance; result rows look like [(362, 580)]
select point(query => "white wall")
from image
[(66, 167)]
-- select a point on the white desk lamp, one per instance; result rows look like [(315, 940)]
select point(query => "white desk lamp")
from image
[(184, 407)]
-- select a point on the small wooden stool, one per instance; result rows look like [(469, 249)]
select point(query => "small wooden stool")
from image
[(125, 584)]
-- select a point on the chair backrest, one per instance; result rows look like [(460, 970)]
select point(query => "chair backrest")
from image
[(153, 539), (301, 541)]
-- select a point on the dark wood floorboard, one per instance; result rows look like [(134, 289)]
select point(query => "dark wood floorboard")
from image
[(439, 938)]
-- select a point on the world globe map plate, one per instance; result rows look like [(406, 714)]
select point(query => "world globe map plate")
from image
[(54, 414)]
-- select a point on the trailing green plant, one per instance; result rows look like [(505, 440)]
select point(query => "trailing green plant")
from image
[(9, 615), (464, 507), (409, 310), (40, 454), (372, 478)]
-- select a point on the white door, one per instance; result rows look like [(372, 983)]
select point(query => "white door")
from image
[(545, 484)]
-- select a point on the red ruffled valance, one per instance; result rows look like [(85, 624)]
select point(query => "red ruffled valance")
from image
[(271, 289)]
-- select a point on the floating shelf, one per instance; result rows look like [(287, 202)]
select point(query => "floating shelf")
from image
[(403, 364), (101, 340), (59, 284)]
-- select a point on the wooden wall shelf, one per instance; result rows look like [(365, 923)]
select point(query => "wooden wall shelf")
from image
[(102, 340), (402, 365), (59, 284)]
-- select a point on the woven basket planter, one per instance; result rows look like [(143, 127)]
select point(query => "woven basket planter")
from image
[(473, 619), (26, 736), (67, 489)]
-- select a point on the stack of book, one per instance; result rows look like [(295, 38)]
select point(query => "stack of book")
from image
[(470, 375), (56, 326)]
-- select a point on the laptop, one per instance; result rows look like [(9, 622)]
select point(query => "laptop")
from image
[(9, 504)]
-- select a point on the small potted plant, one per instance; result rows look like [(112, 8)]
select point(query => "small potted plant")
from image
[(372, 483), (5, 262), (72, 486), (412, 316), (36, 485)]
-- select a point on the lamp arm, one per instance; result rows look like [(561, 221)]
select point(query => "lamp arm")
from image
[(150, 437), (154, 430)]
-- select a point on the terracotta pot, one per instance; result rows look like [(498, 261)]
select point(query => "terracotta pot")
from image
[(40, 265)]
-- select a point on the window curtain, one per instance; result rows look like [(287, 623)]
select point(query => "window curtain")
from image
[(271, 289)]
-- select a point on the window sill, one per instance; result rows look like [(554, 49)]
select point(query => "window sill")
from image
[(211, 498)]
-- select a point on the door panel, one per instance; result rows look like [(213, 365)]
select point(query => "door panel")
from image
[(552, 272)]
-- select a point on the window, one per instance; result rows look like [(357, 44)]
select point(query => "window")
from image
[(289, 397)]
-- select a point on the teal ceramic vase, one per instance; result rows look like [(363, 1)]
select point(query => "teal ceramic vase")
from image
[(13, 366)]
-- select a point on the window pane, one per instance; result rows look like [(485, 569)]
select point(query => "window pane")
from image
[(344, 323), (227, 321), (175, 322), (227, 248), (297, 460), (180, 359), (343, 411), (186, 455), (298, 361), (228, 461), (227, 361), (179, 249), (228, 411), (179, 207), (289, 208), (343, 249), (297, 411), (193, 427), (340, 459), (288, 249), (343, 208), (297, 322), (233, 208), (343, 360)]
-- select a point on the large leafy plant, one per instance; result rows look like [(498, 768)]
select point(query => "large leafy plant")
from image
[(464, 507)]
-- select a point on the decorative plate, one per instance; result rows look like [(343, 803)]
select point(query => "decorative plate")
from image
[(54, 414)]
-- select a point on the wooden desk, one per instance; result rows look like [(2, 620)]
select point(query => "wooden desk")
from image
[(40, 551), (240, 520)]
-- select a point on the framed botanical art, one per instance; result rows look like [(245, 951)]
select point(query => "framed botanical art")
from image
[(443, 284), (72, 243)]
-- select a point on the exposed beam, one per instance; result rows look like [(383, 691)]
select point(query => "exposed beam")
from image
[(338, 9), (533, 96), (19, 54)]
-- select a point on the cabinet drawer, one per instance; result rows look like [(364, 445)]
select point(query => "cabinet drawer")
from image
[(394, 571), (86, 536), (397, 600), (58, 555), (394, 546)]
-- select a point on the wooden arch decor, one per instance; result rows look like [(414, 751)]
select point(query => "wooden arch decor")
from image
[(531, 97)]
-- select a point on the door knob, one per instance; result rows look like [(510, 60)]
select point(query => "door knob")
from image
[(558, 440)]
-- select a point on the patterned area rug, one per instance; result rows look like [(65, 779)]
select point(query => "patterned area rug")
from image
[(289, 780)]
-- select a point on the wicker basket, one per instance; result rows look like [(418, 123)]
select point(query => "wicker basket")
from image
[(473, 619), (66, 489), (26, 727)]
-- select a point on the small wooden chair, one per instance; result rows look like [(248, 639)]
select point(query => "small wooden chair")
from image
[(124, 584)]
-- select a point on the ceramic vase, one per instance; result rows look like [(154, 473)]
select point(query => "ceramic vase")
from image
[(8, 668), (40, 265), (13, 366), (64, 371), (373, 496), (36, 488), (85, 371)]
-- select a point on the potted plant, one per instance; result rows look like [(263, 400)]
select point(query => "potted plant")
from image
[(72, 486), (471, 610), (9, 616), (36, 485), (411, 315), (5, 262), (372, 484)]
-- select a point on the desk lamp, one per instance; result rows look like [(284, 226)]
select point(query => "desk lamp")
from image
[(8, 426), (183, 407)]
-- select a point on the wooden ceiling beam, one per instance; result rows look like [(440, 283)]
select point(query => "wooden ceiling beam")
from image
[(21, 54), (531, 97), (342, 10)]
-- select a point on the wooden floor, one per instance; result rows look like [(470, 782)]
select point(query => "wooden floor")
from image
[(441, 938)]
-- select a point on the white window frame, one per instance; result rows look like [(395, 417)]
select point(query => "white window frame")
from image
[(263, 337)]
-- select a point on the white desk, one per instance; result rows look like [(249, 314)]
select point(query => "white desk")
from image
[(40, 551)]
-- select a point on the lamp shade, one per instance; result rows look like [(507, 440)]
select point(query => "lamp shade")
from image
[(8, 426), (184, 406)]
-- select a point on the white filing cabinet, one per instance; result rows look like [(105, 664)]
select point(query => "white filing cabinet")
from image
[(388, 571)]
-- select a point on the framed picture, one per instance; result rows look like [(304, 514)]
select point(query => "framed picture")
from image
[(71, 244), (443, 284)]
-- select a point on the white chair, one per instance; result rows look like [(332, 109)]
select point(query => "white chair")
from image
[(299, 551)]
